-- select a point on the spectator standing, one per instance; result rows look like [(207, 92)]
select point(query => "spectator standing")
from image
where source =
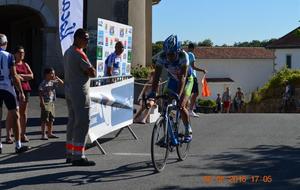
[(78, 70), (25, 74), (9, 79), (47, 95), (239, 99), (219, 103), (114, 60), (226, 99), (289, 90), (193, 69)]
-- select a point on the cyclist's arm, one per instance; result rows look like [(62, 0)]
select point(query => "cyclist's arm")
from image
[(158, 69), (182, 79)]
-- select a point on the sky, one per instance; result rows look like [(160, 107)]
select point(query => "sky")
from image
[(224, 21)]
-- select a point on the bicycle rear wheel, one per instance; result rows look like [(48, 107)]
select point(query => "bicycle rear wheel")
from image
[(182, 148), (159, 145)]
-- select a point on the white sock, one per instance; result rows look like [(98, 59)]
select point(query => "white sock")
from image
[(18, 144), (0, 145)]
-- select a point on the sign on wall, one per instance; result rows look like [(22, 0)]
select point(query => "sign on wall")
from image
[(108, 34)]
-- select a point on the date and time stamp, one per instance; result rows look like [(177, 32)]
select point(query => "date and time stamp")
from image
[(237, 179)]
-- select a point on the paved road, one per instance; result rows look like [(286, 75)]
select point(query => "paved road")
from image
[(241, 145)]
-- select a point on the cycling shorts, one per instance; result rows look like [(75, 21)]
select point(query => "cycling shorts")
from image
[(173, 86)]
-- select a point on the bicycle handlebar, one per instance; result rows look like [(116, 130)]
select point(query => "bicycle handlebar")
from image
[(169, 96)]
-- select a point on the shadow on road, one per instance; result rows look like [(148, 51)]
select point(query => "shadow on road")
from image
[(282, 163), (76, 178), (44, 152), (35, 122)]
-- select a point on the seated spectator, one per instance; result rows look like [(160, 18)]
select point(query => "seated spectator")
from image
[(144, 110), (47, 98)]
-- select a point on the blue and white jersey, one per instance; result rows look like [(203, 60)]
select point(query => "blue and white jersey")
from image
[(192, 60), (174, 68), (6, 62), (113, 61)]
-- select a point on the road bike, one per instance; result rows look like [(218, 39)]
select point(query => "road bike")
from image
[(168, 133)]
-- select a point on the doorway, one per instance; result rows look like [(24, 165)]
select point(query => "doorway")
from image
[(23, 26)]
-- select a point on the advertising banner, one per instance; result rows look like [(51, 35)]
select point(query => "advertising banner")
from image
[(111, 107), (108, 34), (70, 19)]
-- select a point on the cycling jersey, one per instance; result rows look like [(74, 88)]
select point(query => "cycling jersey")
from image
[(174, 71), (174, 68)]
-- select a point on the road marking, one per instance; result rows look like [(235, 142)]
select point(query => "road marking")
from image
[(131, 154)]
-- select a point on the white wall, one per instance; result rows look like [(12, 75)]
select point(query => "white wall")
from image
[(280, 59), (249, 74)]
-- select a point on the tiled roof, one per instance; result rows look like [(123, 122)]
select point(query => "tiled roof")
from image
[(219, 80), (233, 53), (291, 40)]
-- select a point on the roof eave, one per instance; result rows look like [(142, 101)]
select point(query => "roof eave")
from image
[(283, 47), (155, 2)]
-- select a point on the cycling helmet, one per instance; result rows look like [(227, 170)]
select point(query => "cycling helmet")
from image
[(171, 45)]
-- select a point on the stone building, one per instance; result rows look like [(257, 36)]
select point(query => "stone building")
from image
[(34, 24)]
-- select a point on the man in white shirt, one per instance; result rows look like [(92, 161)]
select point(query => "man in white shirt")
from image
[(8, 80)]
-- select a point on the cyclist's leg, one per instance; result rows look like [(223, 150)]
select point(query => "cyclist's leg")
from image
[(185, 110)]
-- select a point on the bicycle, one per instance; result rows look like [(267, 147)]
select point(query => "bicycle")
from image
[(168, 133)]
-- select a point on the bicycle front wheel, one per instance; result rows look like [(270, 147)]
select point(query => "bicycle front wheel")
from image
[(182, 148), (159, 145)]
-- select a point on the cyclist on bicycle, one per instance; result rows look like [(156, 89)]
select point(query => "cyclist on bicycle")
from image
[(180, 81)]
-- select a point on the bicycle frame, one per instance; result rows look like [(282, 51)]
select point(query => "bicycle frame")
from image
[(169, 123)]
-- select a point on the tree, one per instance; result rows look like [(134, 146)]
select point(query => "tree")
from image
[(186, 42), (206, 43), (157, 47), (254, 43)]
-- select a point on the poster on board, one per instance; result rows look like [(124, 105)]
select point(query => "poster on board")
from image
[(111, 107), (108, 34)]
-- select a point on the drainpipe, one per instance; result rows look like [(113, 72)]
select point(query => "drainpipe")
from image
[(85, 13)]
